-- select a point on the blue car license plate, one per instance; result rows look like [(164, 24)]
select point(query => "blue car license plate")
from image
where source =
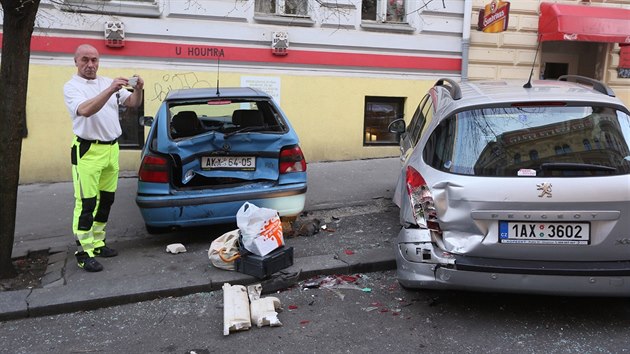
[(228, 162)]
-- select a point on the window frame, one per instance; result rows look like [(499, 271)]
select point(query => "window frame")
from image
[(133, 8), (382, 128), (380, 23), (382, 12), (280, 6), (278, 18)]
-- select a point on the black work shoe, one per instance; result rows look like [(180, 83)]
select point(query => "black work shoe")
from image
[(88, 263), (105, 252)]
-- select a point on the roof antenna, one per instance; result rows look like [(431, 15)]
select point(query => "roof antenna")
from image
[(529, 82), (218, 63)]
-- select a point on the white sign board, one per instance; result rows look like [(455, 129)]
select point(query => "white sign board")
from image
[(270, 85)]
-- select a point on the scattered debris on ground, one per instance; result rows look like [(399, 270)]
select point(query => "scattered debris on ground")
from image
[(30, 270)]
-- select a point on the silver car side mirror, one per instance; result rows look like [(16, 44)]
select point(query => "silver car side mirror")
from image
[(398, 126)]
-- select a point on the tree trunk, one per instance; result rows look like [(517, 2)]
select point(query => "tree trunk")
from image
[(18, 22)]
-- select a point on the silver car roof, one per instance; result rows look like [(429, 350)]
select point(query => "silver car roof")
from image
[(488, 93), (211, 92)]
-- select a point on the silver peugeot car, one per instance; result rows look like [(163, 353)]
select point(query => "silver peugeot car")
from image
[(516, 188)]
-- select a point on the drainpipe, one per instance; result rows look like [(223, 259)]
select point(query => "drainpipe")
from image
[(466, 38)]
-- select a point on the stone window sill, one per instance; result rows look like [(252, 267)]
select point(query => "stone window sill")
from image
[(284, 20), (387, 27)]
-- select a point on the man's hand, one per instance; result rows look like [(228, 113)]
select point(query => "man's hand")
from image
[(136, 82), (136, 97), (117, 84), (96, 103)]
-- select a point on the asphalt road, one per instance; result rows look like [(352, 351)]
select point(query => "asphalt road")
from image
[(370, 315)]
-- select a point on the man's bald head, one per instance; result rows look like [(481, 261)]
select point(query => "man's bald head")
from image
[(86, 59)]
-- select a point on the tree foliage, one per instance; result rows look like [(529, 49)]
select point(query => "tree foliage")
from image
[(17, 27)]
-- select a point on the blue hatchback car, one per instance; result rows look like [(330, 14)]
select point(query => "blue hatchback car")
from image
[(210, 150)]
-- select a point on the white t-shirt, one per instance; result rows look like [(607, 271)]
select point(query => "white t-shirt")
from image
[(104, 124)]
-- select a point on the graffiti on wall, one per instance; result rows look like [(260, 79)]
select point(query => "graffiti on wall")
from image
[(177, 81)]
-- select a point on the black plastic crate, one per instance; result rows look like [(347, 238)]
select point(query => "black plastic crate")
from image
[(263, 266)]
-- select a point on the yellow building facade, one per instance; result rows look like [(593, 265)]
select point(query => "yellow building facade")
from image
[(324, 62)]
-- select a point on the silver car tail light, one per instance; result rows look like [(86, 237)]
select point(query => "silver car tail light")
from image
[(421, 200)]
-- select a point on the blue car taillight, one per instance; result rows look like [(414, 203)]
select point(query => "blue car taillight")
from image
[(292, 160), (153, 169), (421, 200)]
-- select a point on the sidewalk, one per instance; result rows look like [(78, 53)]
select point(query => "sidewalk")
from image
[(353, 199)]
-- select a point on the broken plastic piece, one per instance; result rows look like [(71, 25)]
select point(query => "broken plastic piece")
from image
[(236, 314), (263, 312), (175, 248), (254, 291), (341, 296), (311, 285), (348, 278)]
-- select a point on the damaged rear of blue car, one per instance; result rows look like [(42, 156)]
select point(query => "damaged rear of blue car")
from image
[(208, 152)]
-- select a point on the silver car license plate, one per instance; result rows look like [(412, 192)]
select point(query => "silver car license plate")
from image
[(553, 233), (228, 162)]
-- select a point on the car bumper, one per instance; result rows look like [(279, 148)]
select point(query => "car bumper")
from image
[(422, 265), (190, 209)]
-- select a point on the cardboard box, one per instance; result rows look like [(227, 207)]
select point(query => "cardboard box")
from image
[(264, 266)]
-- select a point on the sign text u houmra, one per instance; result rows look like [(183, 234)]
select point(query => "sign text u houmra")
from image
[(208, 52)]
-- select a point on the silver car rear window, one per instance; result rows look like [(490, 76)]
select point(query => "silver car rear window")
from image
[(532, 141)]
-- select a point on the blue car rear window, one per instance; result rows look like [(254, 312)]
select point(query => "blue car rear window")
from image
[(226, 116)]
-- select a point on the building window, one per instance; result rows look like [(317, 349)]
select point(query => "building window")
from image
[(558, 150), (282, 7), (134, 8), (517, 158), (533, 155), (132, 132), (384, 11), (566, 148), (609, 140), (587, 145), (379, 112)]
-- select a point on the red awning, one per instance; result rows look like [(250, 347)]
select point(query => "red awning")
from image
[(586, 23)]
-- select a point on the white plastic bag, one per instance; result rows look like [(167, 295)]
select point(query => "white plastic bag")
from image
[(224, 250), (261, 229)]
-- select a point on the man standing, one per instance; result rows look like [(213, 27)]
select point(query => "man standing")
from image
[(93, 103)]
